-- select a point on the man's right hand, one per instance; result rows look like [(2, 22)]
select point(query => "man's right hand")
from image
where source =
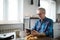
[(35, 33)]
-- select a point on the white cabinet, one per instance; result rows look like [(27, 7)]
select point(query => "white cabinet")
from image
[(50, 7), (56, 30)]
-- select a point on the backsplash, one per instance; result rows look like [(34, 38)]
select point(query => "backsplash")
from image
[(10, 27)]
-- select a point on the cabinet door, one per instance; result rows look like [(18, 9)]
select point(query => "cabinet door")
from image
[(56, 27), (50, 7)]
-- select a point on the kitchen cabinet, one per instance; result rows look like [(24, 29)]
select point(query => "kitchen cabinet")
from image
[(56, 28)]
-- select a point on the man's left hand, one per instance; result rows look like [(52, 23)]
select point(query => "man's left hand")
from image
[(35, 33)]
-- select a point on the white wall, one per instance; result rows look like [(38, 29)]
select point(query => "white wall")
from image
[(29, 10)]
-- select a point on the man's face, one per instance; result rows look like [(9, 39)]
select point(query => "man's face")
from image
[(41, 14)]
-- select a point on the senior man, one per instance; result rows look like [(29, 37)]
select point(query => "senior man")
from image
[(44, 26)]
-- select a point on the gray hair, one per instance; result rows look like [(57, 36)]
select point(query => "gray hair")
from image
[(42, 9)]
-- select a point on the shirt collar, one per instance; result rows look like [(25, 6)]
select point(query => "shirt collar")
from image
[(44, 19)]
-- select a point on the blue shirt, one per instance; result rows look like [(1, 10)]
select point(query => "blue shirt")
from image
[(45, 26)]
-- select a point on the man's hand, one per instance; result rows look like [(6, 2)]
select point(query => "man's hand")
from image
[(35, 33)]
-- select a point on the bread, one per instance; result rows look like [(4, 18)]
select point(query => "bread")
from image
[(31, 37)]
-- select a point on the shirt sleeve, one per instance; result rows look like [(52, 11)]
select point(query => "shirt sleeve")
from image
[(49, 31)]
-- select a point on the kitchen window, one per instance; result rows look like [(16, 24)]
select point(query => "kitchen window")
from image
[(11, 11)]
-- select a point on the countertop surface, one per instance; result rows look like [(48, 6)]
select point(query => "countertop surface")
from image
[(42, 38), (47, 38)]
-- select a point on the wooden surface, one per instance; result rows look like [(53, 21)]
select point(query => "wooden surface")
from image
[(30, 37), (46, 38)]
